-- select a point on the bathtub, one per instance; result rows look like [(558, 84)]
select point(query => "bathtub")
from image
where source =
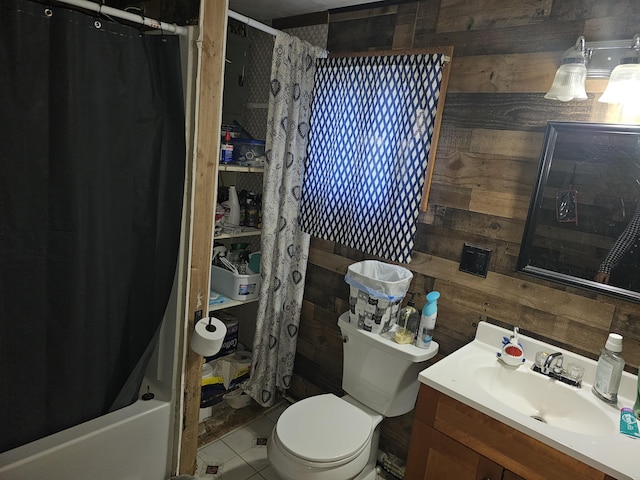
[(132, 443)]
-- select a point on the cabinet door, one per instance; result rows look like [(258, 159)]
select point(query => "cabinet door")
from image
[(433, 455)]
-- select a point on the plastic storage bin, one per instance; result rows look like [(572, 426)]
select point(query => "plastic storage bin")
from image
[(248, 150), (235, 286), (376, 292)]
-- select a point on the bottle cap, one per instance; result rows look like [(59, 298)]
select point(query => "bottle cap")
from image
[(432, 305), (433, 296), (614, 342)]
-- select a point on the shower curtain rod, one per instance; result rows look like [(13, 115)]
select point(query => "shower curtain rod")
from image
[(253, 23), (132, 17)]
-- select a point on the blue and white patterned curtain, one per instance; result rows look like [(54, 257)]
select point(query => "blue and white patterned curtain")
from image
[(284, 246), (371, 128)]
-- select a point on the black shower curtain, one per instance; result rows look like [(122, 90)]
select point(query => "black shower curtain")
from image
[(91, 182)]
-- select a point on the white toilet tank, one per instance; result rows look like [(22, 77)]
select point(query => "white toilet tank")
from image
[(379, 372)]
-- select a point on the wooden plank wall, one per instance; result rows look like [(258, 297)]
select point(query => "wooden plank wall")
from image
[(505, 57)]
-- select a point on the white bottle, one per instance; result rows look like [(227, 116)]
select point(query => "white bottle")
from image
[(428, 321), (232, 208), (609, 370)]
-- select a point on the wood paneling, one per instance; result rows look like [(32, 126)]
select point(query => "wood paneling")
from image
[(461, 15), (506, 73), (495, 115), (515, 112), (373, 33), (549, 36), (405, 25)]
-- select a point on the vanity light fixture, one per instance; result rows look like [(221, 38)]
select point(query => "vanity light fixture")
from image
[(617, 59)]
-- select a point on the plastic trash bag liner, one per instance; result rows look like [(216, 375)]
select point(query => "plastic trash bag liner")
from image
[(376, 291)]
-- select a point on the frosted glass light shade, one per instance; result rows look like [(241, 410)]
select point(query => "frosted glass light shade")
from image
[(624, 85), (568, 83)]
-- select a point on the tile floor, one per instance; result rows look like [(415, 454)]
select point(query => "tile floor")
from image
[(240, 454)]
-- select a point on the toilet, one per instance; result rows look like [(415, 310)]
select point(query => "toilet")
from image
[(326, 437)]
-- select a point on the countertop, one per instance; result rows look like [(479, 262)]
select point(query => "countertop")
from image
[(615, 454)]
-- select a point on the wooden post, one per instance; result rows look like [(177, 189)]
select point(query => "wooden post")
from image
[(210, 86)]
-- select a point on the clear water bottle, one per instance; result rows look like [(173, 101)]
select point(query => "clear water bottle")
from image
[(609, 370)]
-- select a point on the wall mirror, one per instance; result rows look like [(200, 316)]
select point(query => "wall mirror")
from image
[(585, 209)]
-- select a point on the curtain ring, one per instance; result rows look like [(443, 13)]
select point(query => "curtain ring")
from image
[(142, 22), (139, 11), (97, 23), (48, 12)]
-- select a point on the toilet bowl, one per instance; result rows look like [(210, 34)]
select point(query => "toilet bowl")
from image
[(325, 438)]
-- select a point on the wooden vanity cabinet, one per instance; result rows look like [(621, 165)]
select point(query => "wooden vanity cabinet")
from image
[(452, 441)]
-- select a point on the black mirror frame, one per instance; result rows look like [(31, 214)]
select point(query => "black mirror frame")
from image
[(546, 160)]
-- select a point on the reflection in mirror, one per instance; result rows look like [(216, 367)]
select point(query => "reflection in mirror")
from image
[(583, 226)]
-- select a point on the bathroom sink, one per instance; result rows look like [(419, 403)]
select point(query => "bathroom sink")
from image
[(565, 417), (546, 400)]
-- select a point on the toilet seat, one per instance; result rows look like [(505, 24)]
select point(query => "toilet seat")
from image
[(324, 429)]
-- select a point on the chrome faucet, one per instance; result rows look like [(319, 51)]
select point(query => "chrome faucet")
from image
[(551, 365)]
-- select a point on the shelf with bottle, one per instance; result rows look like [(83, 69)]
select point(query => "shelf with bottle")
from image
[(239, 216), (226, 303), (236, 232), (230, 167)]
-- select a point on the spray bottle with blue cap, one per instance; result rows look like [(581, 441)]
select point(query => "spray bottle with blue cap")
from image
[(428, 320)]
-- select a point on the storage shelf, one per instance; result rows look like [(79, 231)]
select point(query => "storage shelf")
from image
[(247, 232), (230, 303), (239, 168)]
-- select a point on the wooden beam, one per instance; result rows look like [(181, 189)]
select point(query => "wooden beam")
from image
[(213, 28), (446, 72)]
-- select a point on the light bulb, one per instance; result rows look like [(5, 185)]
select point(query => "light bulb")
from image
[(624, 85)]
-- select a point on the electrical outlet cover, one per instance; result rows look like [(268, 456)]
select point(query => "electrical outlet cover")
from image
[(475, 260)]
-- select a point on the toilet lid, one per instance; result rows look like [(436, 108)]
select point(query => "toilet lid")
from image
[(323, 428)]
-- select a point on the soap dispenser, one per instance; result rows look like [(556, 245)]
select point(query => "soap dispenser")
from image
[(408, 320)]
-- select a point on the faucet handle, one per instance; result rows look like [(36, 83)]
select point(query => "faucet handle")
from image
[(541, 358), (575, 372)]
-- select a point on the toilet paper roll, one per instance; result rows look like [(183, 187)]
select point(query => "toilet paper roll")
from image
[(207, 337)]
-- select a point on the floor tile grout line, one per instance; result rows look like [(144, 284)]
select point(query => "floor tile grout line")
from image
[(238, 456)]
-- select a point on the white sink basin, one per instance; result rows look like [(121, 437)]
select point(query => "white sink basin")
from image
[(546, 400), (564, 417)]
